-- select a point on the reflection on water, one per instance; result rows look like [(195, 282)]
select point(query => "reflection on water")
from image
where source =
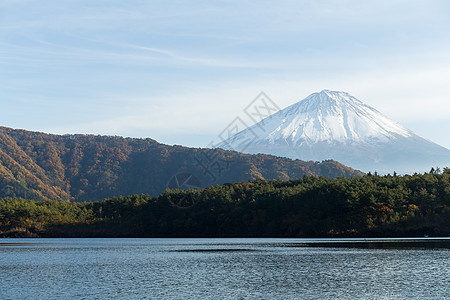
[(399, 243), (225, 269)]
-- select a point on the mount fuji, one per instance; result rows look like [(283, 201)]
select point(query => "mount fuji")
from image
[(335, 125)]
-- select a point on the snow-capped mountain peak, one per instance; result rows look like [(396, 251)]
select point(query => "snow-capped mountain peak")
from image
[(334, 116), (328, 116), (328, 124)]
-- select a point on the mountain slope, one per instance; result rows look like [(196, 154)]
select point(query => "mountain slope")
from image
[(85, 167), (335, 125)]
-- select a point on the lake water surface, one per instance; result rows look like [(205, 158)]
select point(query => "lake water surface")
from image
[(224, 269)]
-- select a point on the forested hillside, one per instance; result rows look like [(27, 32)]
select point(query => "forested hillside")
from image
[(311, 206), (88, 168)]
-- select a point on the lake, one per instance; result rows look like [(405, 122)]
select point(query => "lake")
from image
[(225, 268)]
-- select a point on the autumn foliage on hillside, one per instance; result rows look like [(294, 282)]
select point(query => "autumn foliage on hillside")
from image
[(88, 168)]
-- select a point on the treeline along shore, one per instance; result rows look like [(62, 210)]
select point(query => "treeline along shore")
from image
[(368, 206)]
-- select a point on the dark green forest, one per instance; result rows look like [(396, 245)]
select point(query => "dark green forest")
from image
[(311, 206)]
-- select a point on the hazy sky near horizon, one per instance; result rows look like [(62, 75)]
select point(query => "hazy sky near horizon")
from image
[(181, 71)]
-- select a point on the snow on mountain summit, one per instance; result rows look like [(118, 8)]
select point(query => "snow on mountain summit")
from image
[(336, 125), (332, 116)]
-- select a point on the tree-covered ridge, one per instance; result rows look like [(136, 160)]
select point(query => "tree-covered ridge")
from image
[(310, 206), (87, 168)]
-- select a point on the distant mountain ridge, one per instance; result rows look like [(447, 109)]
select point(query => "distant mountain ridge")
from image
[(40, 166), (335, 125)]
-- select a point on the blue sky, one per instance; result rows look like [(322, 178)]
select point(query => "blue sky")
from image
[(181, 71)]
